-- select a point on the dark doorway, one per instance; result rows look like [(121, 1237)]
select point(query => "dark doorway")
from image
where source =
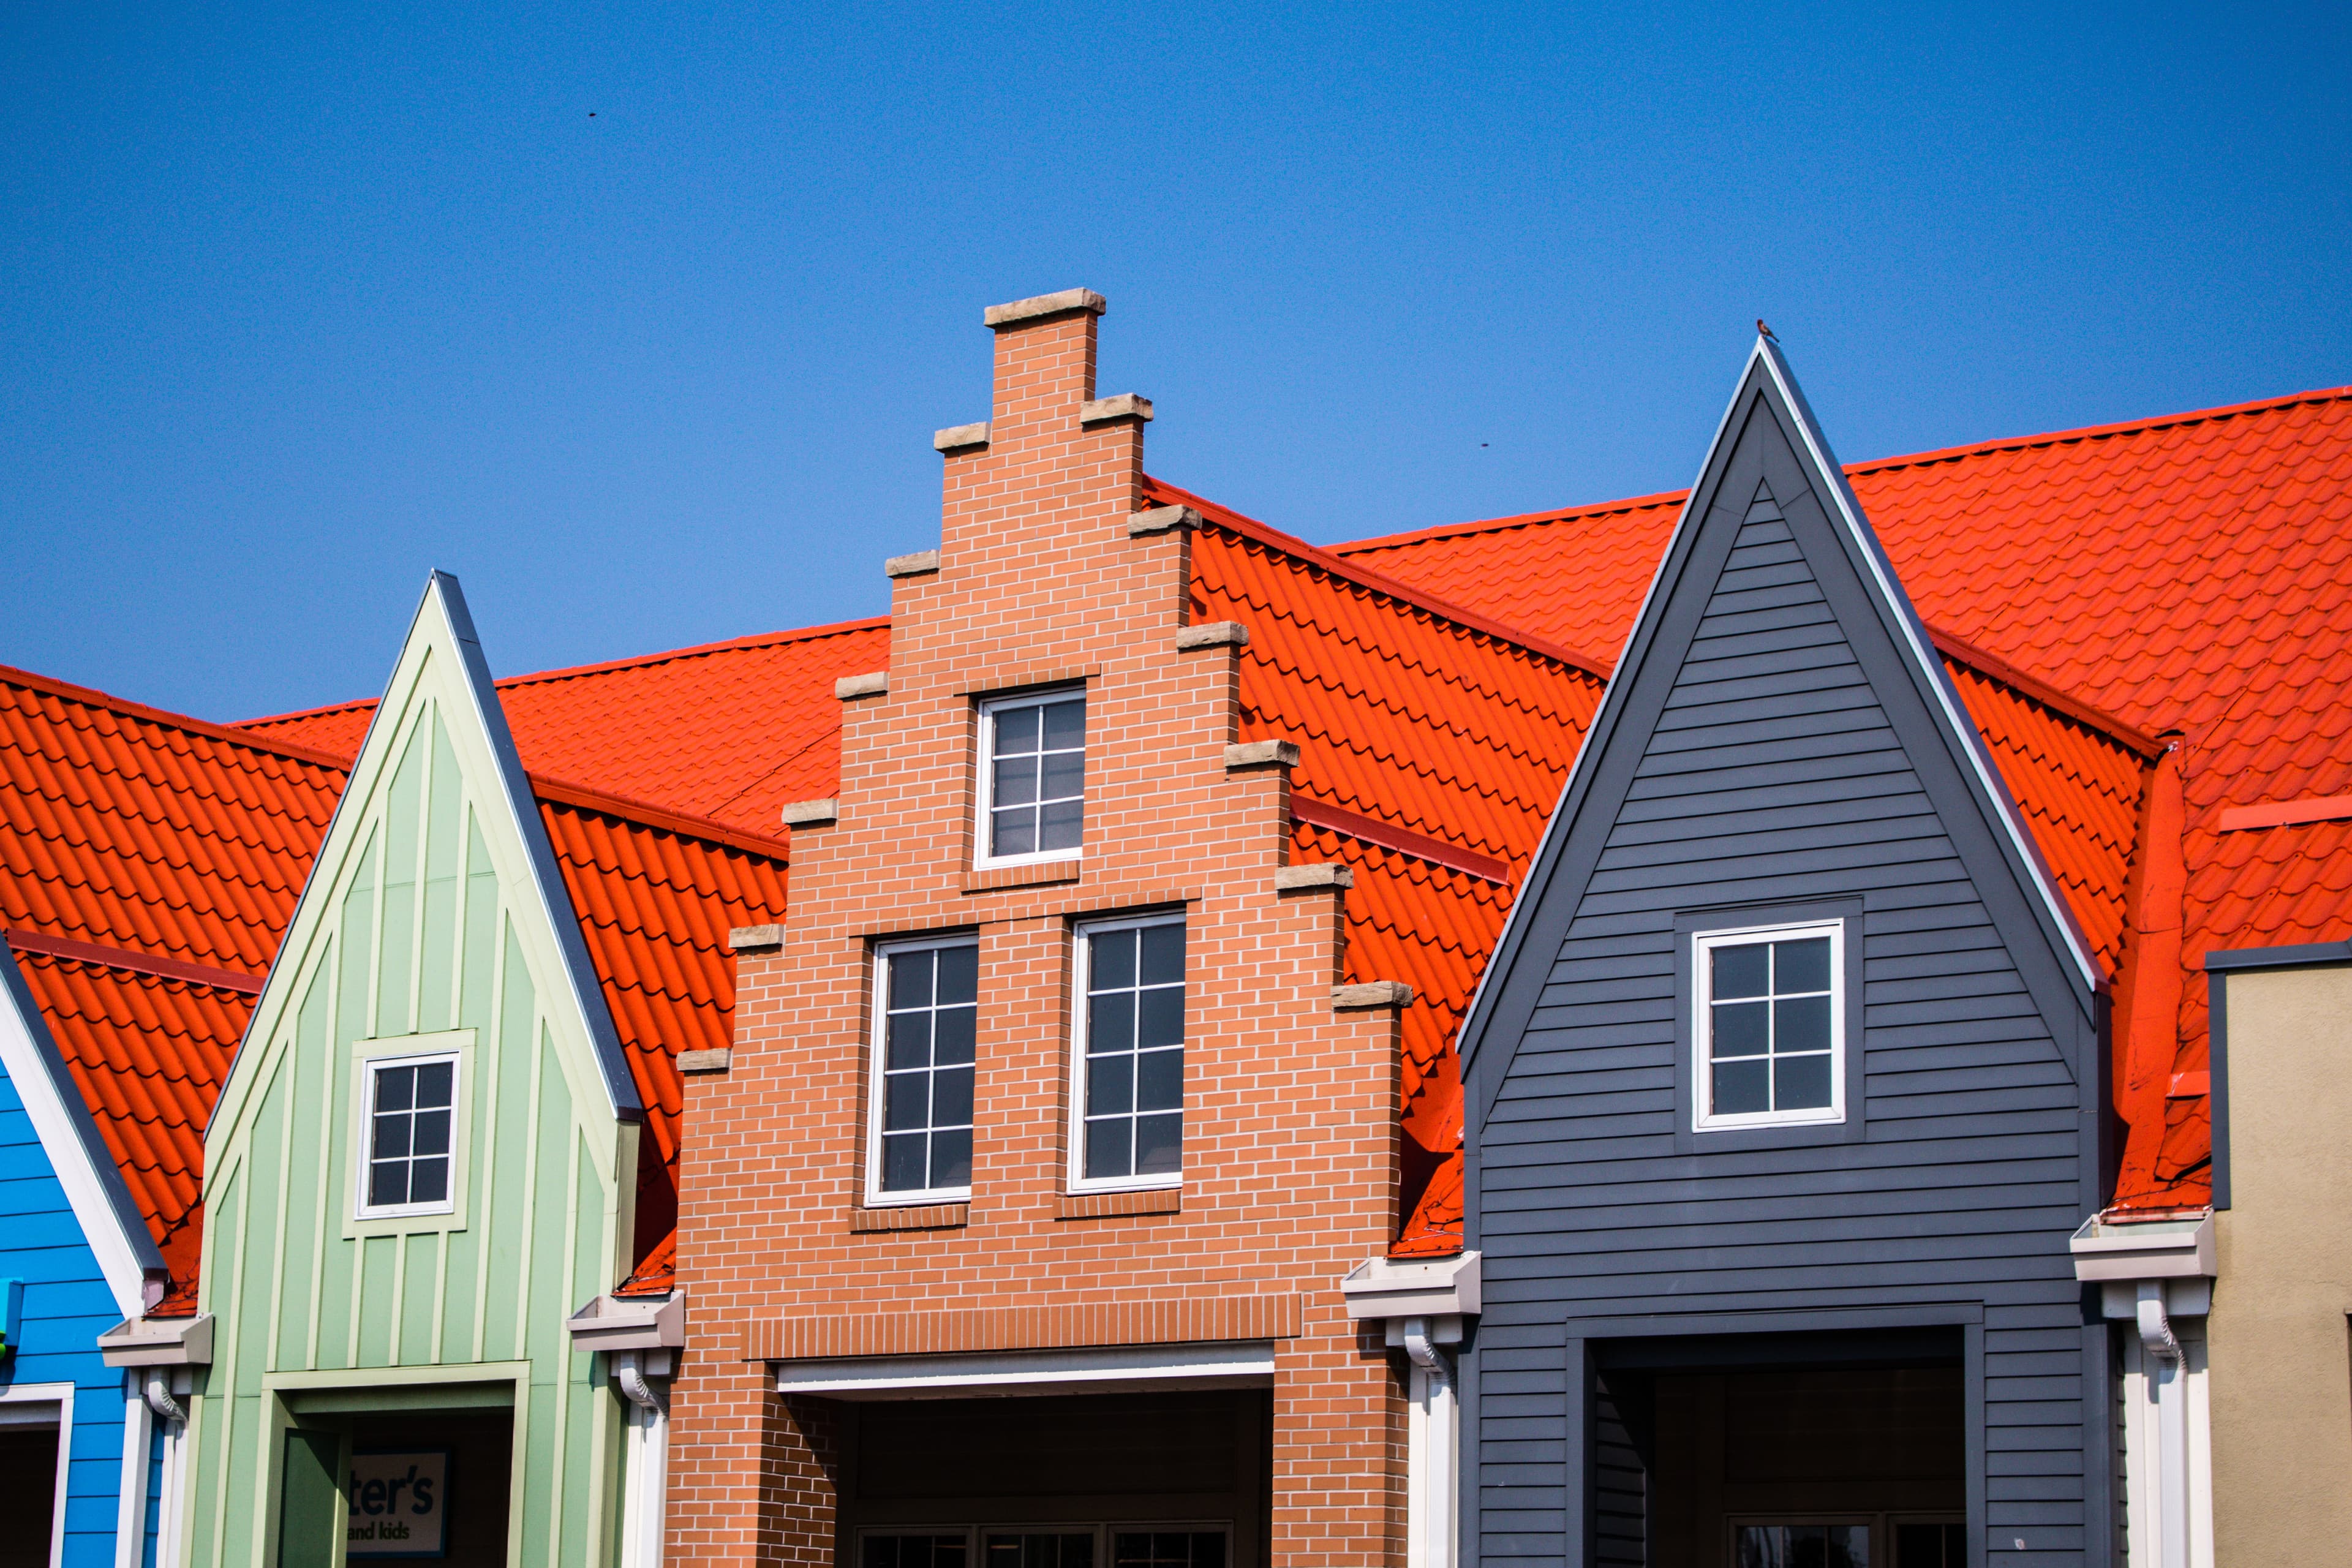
[(1111, 1481), (480, 1445), (28, 1458), (1710, 1459), (419, 1484)]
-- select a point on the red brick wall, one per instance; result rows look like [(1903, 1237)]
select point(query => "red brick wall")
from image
[(1290, 1140)]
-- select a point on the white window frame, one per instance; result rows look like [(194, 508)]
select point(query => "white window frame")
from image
[(984, 790), (35, 1404), (878, 1058), (1081, 979), (370, 1067), (1702, 1026)]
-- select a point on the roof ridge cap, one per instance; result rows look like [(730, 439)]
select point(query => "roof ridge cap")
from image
[(1381, 583), (1987, 663), (661, 819), (1437, 531), (573, 671), (232, 734)]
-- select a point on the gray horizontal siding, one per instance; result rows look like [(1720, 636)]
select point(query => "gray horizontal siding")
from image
[(1773, 771)]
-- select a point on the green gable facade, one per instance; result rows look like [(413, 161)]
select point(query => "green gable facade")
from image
[(385, 1297)]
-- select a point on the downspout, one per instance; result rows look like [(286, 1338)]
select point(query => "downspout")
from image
[(643, 1376), (162, 1389), (1434, 1464), (2169, 1371)]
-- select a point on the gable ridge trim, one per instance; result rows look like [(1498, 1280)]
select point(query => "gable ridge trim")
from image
[(660, 818), (1913, 638), (111, 1224), (123, 707)]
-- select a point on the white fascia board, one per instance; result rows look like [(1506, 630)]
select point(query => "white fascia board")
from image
[(1234, 1363), (1929, 667), (110, 1223)]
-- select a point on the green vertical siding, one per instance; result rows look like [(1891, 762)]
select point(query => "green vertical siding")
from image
[(416, 931)]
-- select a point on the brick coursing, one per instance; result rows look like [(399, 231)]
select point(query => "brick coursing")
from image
[(1291, 1146)]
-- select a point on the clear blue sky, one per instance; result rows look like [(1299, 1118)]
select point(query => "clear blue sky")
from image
[(640, 318)]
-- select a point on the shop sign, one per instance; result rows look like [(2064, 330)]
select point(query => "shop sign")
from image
[(399, 1504)]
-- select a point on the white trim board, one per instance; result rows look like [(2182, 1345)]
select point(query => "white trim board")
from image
[(1241, 1364), (101, 1205)]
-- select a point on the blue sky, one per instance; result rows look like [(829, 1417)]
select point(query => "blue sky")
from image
[(639, 318)]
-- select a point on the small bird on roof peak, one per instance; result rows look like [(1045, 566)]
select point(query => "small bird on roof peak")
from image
[(1764, 331)]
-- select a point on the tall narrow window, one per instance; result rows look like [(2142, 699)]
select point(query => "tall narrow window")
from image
[(1769, 1026), (926, 1007), (1130, 1056), (411, 1112), (1032, 783)]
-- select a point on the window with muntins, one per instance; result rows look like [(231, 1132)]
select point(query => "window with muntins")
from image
[(1129, 1059), (1032, 783), (1769, 1026), (411, 1110), (927, 1001)]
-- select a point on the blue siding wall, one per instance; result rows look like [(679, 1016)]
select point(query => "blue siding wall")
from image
[(1775, 754), (67, 1307)]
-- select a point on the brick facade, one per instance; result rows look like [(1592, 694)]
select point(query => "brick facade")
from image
[(1291, 1142)]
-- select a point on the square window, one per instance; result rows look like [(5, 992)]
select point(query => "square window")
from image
[(408, 1135), (1033, 778), (1767, 1026), (1129, 1061), (927, 997)]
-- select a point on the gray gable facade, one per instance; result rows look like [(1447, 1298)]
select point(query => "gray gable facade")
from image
[(1720, 1328)]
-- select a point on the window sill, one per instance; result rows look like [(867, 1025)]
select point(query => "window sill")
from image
[(1038, 873), (912, 1216), (1106, 1205)]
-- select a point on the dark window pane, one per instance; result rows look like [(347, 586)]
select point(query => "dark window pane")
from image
[(952, 1098), (1065, 722), (1741, 1087), (1159, 1144), (1801, 965), (429, 1181), (1113, 959), (951, 1158), (1110, 1085), (1111, 1023), (1919, 1546), (1801, 1024), (1159, 1081), (958, 974), (1160, 1017), (905, 1102), (909, 1040), (1849, 1546), (1062, 773), (951, 1030), (388, 1183), (1016, 729), (902, 1163), (1163, 956), (1061, 826), (1016, 781), (1741, 1029), (1744, 971), (1014, 832), (1107, 1148), (432, 1133), (395, 1089), (1209, 1551), (910, 981), (433, 1080), (1801, 1083), (390, 1136)]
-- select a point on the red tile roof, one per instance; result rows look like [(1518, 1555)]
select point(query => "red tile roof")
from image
[(144, 847), (2191, 574), (728, 731), (151, 862)]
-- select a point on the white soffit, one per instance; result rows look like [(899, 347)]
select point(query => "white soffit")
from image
[(1244, 1364)]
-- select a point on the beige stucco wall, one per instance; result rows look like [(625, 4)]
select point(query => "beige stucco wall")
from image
[(2281, 1348)]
